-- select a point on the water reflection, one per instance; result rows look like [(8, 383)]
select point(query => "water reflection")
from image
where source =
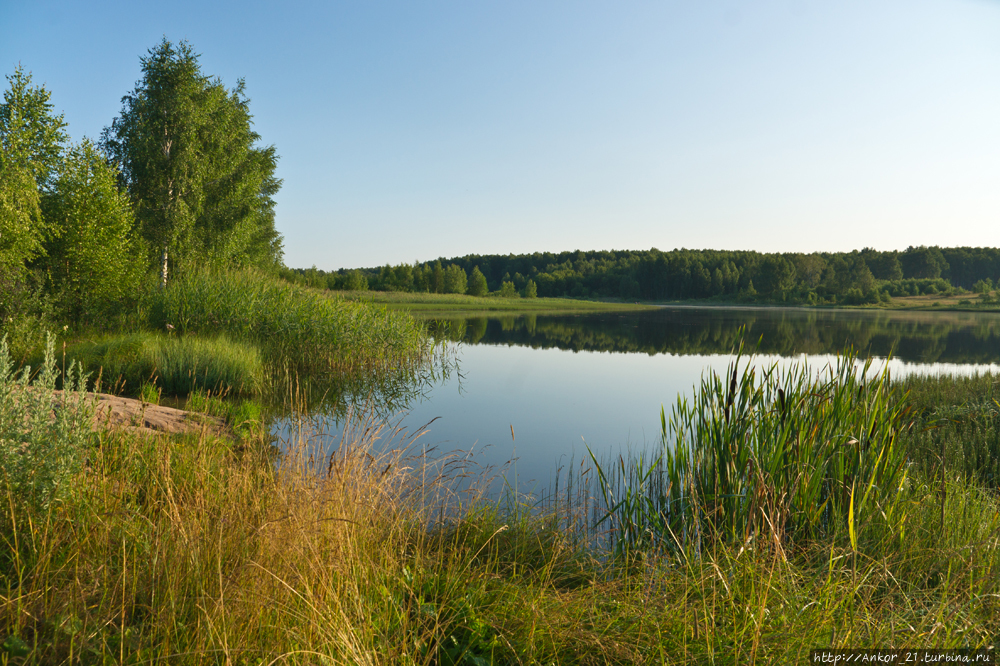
[(382, 395), (918, 337), (535, 376)]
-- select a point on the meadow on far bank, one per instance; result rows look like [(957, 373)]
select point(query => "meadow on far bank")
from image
[(421, 304)]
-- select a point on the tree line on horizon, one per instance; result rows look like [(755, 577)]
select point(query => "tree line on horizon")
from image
[(179, 179), (781, 332), (857, 277)]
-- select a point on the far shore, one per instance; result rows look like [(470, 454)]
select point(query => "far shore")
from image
[(425, 305)]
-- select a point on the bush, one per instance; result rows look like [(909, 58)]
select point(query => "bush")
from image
[(42, 435)]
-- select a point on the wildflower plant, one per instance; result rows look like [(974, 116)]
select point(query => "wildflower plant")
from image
[(42, 433)]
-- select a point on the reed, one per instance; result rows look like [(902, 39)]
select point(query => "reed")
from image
[(293, 326), (958, 427), (171, 364), (201, 550), (782, 454)]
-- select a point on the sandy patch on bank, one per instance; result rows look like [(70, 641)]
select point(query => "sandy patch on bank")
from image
[(113, 411)]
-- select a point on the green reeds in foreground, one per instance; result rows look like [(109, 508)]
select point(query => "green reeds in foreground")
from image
[(175, 365), (293, 326), (782, 453)]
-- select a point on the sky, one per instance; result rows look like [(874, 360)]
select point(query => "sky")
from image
[(409, 131)]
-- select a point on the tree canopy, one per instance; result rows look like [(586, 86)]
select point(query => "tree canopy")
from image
[(32, 134), (200, 184), (93, 260)]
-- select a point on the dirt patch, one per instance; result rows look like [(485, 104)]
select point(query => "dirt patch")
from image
[(117, 412)]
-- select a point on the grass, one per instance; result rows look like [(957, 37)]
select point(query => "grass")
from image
[(423, 304), (150, 363), (958, 429), (243, 416), (785, 453), (191, 550), (292, 327)]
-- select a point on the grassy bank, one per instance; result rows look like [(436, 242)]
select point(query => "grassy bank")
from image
[(243, 332), (293, 326), (421, 304), (174, 365), (193, 550)]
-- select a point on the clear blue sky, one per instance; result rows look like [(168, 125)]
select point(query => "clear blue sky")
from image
[(413, 130)]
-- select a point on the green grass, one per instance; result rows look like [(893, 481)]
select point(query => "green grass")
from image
[(773, 451), (958, 429), (423, 304), (243, 416), (292, 326), (150, 363)]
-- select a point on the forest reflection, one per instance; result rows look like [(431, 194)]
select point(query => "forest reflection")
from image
[(920, 337)]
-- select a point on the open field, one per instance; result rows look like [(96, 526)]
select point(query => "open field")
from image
[(420, 304), (957, 302), (943, 302)]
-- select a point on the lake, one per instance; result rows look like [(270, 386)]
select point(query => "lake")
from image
[(540, 389)]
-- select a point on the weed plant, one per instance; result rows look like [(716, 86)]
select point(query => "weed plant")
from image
[(42, 434)]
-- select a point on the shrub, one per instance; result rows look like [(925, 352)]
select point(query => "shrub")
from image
[(42, 435)]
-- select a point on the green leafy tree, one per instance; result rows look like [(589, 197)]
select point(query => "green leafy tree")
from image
[(531, 289), (437, 279), (775, 276), (93, 260), (31, 133), (21, 226), (477, 283), (923, 262), (508, 290), (421, 278), (187, 152), (456, 281), (31, 139), (355, 281)]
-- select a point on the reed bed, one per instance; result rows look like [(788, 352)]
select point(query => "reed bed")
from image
[(172, 364), (788, 453), (957, 431), (293, 326)]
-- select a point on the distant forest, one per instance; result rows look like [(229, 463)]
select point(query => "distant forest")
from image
[(858, 277)]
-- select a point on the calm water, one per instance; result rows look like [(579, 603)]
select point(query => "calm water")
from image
[(563, 383)]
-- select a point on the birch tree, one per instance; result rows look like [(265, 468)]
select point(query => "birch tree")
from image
[(200, 184)]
